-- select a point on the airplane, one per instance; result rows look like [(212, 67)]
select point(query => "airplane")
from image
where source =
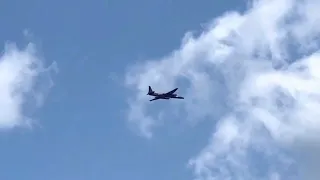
[(167, 95)]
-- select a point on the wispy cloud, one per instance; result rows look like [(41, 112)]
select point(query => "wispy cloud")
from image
[(24, 83), (263, 67)]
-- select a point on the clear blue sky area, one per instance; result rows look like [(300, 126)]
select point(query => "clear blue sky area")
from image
[(82, 132)]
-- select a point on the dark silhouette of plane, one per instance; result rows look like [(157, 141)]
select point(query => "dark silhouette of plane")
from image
[(167, 95)]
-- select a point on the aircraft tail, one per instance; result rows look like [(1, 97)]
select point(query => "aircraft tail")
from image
[(150, 91)]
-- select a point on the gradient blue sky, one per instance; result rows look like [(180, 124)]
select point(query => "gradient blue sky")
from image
[(250, 75), (82, 132)]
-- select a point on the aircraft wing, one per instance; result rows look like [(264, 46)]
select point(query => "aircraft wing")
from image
[(156, 98), (171, 92)]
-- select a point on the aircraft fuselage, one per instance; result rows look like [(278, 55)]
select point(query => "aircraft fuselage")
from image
[(163, 95), (167, 95)]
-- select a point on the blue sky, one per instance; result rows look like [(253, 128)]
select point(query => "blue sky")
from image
[(81, 70), (82, 131)]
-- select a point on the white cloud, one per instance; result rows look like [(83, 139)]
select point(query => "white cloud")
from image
[(24, 83), (263, 68)]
